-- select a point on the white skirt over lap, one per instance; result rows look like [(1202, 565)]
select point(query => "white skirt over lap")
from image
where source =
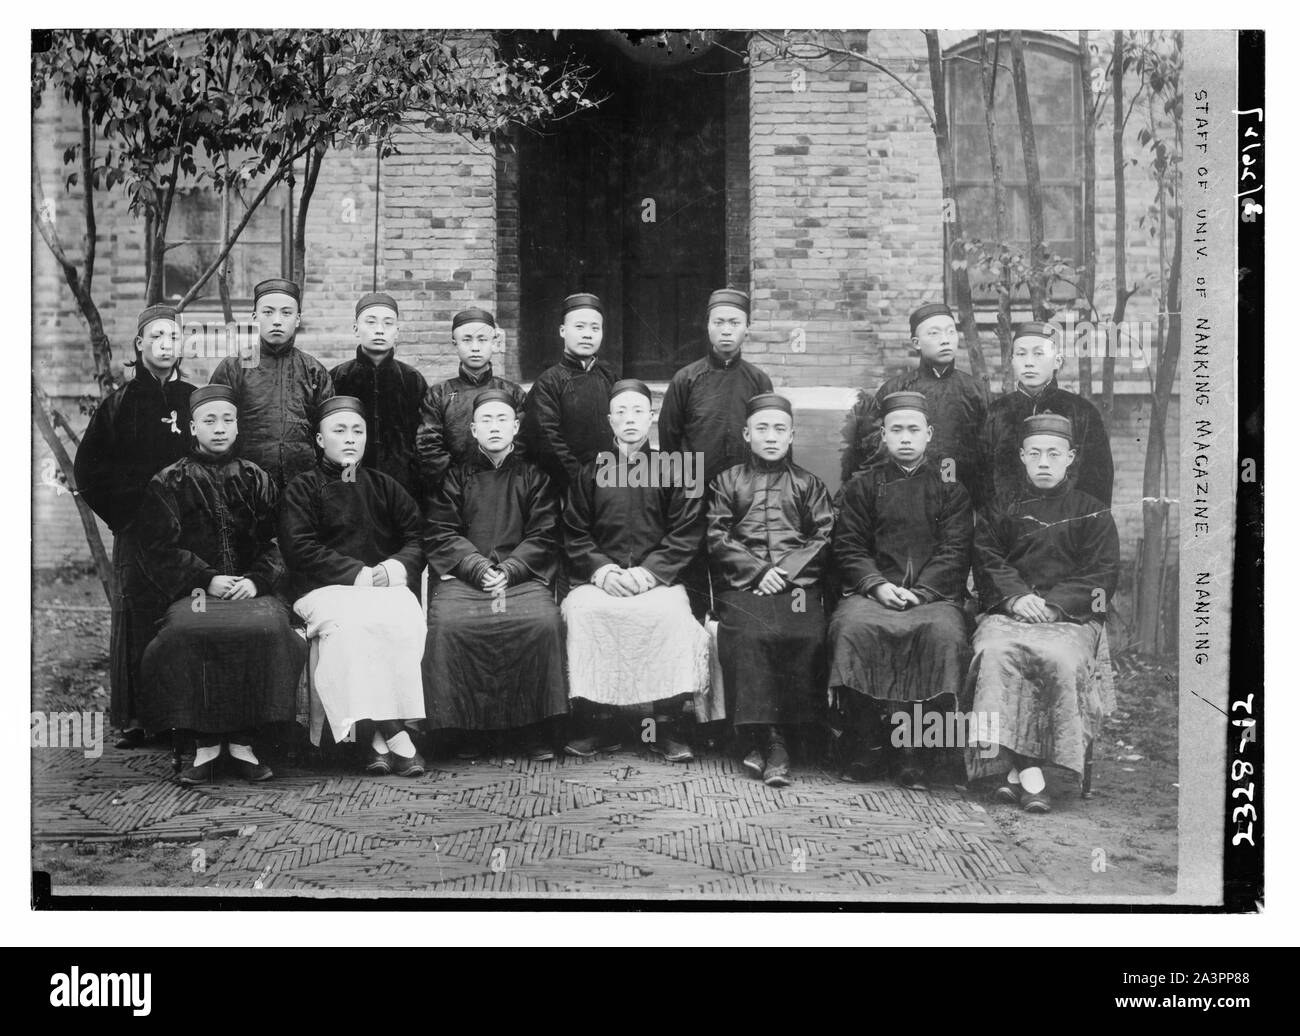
[(634, 650), (370, 640)]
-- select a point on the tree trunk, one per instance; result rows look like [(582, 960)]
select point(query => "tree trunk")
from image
[(41, 417), (223, 275), (1155, 511), (1088, 276), (958, 263), (988, 77), (1033, 182), (1107, 406), (314, 159)]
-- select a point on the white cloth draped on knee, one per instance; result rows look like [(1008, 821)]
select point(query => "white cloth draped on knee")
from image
[(370, 641), (634, 650)]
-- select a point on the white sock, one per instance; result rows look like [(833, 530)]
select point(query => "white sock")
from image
[(1013, 776), (206, 754), (379, 744), (401, 744), (244, 752), (1032, 780)]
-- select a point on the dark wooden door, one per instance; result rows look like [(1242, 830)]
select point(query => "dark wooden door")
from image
[(583, 217)]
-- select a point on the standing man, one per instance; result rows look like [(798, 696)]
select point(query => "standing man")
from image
[(278, 399), (444, 439), (136, 432), (704, 407), (566, 414), (390, 390)]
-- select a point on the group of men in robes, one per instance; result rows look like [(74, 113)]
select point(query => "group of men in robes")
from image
[(285, 515)]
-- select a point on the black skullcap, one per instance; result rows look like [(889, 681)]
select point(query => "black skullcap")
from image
[(211, 394), (337, 403), (473, 315), (630, 385), (277, 284), (924, 313), (1037, 329), (1047, 424), (493, 395), (161, 311), (904, 401), (375, 298), (730, 297), (768, 401), (583, 300)]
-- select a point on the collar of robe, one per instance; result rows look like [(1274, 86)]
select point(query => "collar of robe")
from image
[(937, 373), (1060, 489), (627, 451), (577, 362), (385, 361), (201, 455), (280, 349), (763, 464), (334, 469), (1042, 394), (718, 363), (473, 377), (909, 472), (484, 460), (143, 372)]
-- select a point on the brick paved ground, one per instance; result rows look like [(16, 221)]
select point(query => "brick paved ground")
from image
[(627, 825)]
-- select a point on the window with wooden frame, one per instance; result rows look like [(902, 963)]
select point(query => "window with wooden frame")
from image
[(1056, 105)]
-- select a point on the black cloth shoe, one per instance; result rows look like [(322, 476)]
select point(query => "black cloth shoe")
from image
[(539, 752), (910, 773), (672, 750), (133, 738), (473, 745), (1036, 803), (869, 764), (407, 765), (251, 771), (776, 774), (378, 763), (197, 774), (755, 761), (592, 744)]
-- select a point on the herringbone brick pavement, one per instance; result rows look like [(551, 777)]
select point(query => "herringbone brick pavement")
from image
[(623, 825)]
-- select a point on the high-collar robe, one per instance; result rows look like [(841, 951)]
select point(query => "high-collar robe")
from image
[(913, 530), (136, 432), (772, 648), (957, 403), (215, 666), (566, 417), (1042, 688), (493, 661), (1093, 470), (391, 393), (336, 522), (444, 439), (279, 399), (646, 648), (704, 410)]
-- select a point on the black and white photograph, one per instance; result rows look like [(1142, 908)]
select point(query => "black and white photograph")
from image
[(781, 468)]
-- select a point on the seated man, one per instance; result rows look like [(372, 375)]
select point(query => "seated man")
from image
[(350, 537), (495, 656), (631, 527), (226, 660), (1045, 565), (769, 534), (902, 550)]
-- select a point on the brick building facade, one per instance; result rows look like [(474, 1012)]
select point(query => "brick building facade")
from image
[(821, 197)]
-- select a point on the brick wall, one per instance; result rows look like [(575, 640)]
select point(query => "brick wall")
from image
[(833, 217)]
